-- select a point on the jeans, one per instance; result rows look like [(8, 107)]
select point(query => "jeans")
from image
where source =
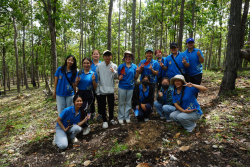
[(144, 114), (187, 120), (63, 102), (164, 110), (62, 137), (124, 96), (102, 106)]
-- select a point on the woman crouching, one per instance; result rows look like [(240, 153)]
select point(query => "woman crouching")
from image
[(69, 124), (188, 109)]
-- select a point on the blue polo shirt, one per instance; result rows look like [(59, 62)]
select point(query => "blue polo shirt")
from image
[(68, 116), (195, 66), (188, 100), (162, 73), (147, 71), (128, 80), (146, 93), (63, 87), (172, 68), (86, 80), (93, 66)]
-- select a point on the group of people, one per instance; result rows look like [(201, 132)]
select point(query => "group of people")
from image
[(177, 78)]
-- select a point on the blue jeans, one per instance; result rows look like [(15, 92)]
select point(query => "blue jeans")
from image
[(62, 137), (63, 102), (124, 96), (164, 110), (187, 120), (144, 114)]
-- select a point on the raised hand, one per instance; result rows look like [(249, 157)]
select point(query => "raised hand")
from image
[(161, 64), (111, 69), (184, 60), (189, 84), (150, 67), (78, 79), (93, 77), (160, 94), (121, 77), (199, 53)]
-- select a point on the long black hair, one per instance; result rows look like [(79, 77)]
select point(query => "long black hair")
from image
[(73, 67), (182, 93)]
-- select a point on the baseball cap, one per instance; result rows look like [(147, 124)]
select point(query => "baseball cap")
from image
[(149, 49), (189, 40), (107, 52), (173, 44)]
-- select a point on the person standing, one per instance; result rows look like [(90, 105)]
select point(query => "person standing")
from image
[(176, 63), (86, 81), (162, 72), (127, 75), (196, 59), (64, 86), (106, 72), (95, 61)]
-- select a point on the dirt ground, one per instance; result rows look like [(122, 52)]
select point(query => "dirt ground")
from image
[(221, 138)]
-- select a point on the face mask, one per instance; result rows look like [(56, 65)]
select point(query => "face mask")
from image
[(145, 83), (164, 86)]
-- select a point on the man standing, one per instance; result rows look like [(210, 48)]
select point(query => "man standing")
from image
[(195, 57)]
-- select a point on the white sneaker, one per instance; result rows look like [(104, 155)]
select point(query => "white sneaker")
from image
[(128, 121), (54, 140), (146, 119), (192, 128), (162, 118), (74, 140), (86, 131), (169, 120), (113, 122), (120, 121), (105, 125)]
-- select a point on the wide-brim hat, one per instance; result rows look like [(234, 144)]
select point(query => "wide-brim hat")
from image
[(179, 77), (127, 52), (107, 52)]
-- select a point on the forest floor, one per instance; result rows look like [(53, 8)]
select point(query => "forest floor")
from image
[(221, 138)]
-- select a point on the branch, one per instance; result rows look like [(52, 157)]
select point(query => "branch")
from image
[(245, 53)]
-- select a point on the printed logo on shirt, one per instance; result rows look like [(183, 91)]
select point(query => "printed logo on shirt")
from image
[(169, 62), (68, 121), (139, 97), (60, 77)]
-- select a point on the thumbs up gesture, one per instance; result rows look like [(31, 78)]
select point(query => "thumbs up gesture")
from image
[(199, 53)]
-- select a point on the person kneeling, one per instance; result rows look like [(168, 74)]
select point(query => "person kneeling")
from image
[(69, 124), (188, 109), (164, 103), (142, 99)]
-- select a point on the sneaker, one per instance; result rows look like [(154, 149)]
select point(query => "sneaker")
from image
[(120, 121), (54, 140), (192, 128), (128, 121), (169, 120), (162, 118), (99, 117), (105, 125), (113, 122), (86, 131), (92, 116), (146, 119), (74, 140)]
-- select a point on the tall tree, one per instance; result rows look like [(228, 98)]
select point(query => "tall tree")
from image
[(139, 38), (109, 24), (233, 48), (193, 11), (119, 31), (181, 25), (133, 27)]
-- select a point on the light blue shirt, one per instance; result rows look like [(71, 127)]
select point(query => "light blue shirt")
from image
[(128, 80), (86, 80), (147, 71), (195, 66)]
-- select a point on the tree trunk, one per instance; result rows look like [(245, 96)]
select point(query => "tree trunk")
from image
[(37, 68), (24, 61), (210, 50), (81, 40), (126, 27), (233, 48), (16, 54), (4, 68), (133, 27), (193, 10), (181, 25), (119, 31), (139, 39), (8, 72), (109, 24)]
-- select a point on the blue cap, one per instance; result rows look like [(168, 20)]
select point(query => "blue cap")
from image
[(149, 49), (189, 40)]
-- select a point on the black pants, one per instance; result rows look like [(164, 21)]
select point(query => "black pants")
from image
[(159, 80), (143, 114), (92, 107), (87, 98), (102, 106), (196, 79)]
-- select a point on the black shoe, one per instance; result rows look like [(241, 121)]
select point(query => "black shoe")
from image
[(99, 117)]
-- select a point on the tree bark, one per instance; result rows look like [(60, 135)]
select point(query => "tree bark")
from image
[(119, 31), (16, 54), (181, 25), (4, 68), (109, 24), (126, 26), (193, 10), (81, 40), (24, 61), (139, 39), (133, 28), (233, 48), (210, 51)]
